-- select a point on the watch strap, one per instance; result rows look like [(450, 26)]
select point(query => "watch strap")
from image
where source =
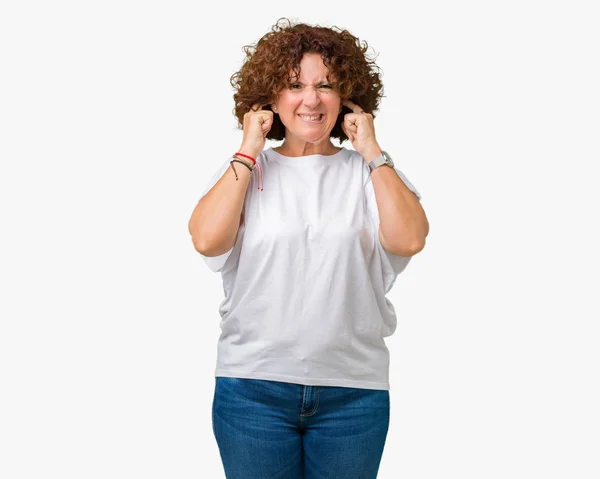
[(383, 159)]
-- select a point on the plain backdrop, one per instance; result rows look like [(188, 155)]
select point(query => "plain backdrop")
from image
[(115, 114)]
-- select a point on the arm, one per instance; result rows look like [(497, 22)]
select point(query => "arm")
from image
[(216, 219), (403, 224)]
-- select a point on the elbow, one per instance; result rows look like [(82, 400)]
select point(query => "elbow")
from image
[(201, 248), (212, 248), (408, 251), (200, 245), (199, 240), (404, 248), (205, 248), (417, 245), (417, 248)]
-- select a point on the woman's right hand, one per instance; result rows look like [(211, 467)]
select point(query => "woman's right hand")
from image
[(257, 123)]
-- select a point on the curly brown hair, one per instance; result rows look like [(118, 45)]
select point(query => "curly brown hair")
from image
[(268, 63)]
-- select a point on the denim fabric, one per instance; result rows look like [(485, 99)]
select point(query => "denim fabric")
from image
[(277, 430)]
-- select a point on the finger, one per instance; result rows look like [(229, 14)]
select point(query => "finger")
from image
[(351, 119), (353, 106), (265, 118), (351, 125), (256, 107), (348, 134)]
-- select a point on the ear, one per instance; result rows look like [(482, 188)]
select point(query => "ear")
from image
[(274, 108)]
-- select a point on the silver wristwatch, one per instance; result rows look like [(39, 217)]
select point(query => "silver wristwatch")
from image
[(383, 159)]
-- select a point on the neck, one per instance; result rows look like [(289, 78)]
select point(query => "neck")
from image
[(304, 148)]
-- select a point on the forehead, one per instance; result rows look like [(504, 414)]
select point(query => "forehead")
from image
[(312, 68)]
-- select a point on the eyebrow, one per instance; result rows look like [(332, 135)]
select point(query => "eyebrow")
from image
[(319, 82)]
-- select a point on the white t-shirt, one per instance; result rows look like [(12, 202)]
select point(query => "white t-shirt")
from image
[(305, 282)]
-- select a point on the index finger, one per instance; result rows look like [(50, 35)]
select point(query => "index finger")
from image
[(257, 106), (353, 106)]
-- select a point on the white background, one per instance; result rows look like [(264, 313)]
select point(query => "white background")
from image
[(113, 117)]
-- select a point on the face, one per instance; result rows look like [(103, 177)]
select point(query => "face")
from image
[(309, 107)]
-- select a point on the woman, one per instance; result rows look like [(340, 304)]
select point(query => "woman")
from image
[(308, 237)]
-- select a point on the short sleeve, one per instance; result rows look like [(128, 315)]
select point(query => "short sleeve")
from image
[(392, 265), (216, 263)]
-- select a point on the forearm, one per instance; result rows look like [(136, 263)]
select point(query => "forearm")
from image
[(215, 221), (403, 224)]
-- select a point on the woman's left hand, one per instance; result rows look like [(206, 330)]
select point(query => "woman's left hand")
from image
[(359, 128)]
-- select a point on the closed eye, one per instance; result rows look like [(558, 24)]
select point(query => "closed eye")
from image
[(295, 86)]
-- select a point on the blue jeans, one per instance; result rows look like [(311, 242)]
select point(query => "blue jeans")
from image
[(277, 430)]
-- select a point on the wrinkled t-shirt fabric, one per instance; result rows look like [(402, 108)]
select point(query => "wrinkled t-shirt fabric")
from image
[(305, 283)]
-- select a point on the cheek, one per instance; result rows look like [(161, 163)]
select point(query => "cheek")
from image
[(288, 111), (333, 104), (334, 108), (288, 103)]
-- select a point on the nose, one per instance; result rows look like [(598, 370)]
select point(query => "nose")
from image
[(311, 96)]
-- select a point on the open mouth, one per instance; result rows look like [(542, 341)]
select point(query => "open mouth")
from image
[(312, 118)]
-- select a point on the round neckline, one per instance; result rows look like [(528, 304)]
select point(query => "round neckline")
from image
[(314, 157)]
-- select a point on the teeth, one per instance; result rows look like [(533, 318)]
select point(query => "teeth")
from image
[(310, 117)]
